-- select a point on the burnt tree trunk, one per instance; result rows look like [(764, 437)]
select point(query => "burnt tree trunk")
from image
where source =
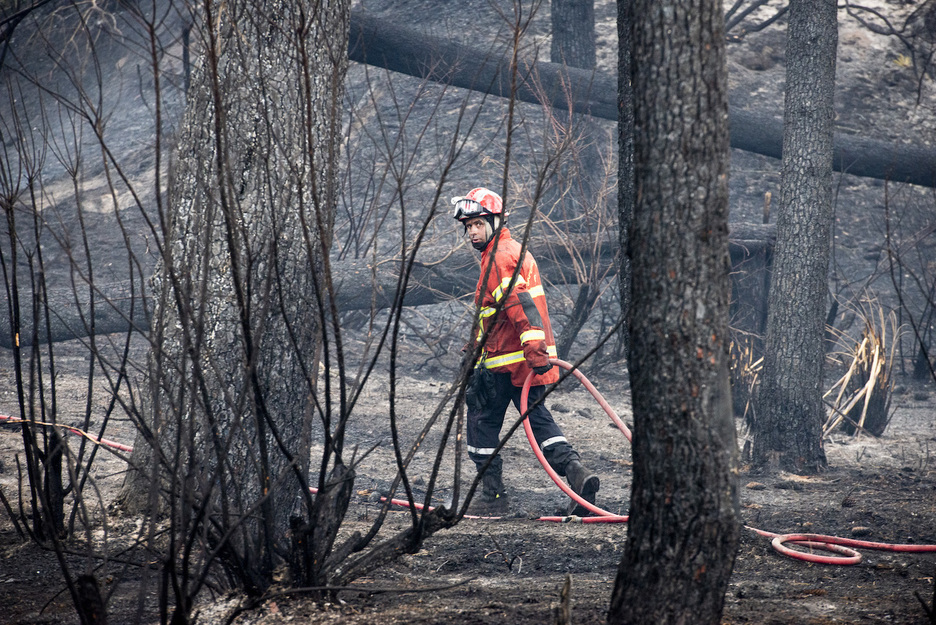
[(240, 289), (360, 283), (684, 525), (787, 424), (575, 192), (573, 33), (627, 190)]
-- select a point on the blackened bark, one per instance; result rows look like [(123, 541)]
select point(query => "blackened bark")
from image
[(91, 606), (117, 306), (627, 190), (580, 174), (240, 289), (573, 33), (787, 424), (54, 490), (684, 525), (313, 541), (405, 541)]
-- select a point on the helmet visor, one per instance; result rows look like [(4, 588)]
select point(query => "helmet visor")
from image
[(465, 208)]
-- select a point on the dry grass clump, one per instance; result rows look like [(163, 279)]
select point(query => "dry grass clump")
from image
[(745, 370), (863, 395)]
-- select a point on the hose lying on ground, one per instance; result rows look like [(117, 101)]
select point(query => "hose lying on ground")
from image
[(844, 548)]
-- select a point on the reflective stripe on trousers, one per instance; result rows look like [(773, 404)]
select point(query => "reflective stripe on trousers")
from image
[(484, 426)]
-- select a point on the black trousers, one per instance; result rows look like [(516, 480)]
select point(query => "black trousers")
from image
[(484, 427)]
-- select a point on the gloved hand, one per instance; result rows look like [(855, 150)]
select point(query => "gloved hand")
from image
[(542, 369)]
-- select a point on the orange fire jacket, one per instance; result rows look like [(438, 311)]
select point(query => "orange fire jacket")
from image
[(513, 311)]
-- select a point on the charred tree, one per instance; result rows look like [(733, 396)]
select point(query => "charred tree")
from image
[(573, 33), (684, 525), (241, 291), (787, 424), (627, 191), (580, 176)]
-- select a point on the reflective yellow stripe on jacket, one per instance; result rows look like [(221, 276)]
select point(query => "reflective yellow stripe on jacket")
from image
[(514, 357), (536, 291), (505, 283), (484, 314), (532, 335), (529, 335)]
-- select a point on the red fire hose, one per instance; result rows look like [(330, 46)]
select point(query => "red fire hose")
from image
[(94, 439), (606, 516), (844, 548)]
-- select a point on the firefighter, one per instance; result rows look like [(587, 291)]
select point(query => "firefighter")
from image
[(519, 339)]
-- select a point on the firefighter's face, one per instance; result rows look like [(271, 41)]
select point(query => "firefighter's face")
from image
[(476, 230)]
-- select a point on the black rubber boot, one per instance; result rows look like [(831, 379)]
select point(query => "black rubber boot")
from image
[(493, 498), (584, 483)]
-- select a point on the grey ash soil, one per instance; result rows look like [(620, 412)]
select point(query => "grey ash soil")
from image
[(511, 570)]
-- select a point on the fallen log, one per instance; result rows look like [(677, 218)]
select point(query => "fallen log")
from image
[(360, 285), (377, 42), (66, 314)]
